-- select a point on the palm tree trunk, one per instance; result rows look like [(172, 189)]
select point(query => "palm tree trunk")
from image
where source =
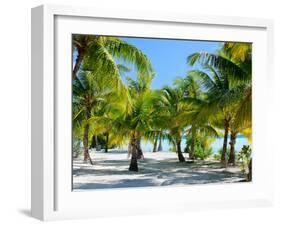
[(192, 145), (139, 150), (134, 161), (180, 156), (191, 154), (160, 148), (224, 148), (155, 144), (232, 142), (130, 148), (249, 175), (97, 143), (92, 142), (86, 144), (78, 63), (106, 142)]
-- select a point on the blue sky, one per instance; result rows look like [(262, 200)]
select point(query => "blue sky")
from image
[(168, 57)]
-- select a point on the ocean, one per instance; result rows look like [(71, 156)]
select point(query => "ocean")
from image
[(216, 145)]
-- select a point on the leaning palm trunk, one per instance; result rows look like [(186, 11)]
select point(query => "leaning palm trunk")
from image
[(160, 148), (180, 156), (232, 142), (86, 145), (155, 144), (224, 148), (134, 149)]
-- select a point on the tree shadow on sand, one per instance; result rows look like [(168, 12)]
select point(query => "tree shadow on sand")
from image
[(152, 173)]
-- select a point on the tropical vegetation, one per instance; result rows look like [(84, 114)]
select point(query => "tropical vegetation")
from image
[(210, 102)]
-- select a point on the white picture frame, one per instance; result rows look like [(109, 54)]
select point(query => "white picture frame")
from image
[(52, 197)]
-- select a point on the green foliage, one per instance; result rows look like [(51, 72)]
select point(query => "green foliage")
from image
[(201, 153), (77, 148), (100, 53), (244, 157), (172, 112), (172, 148), (196, 106), (202, 149), (100, 98), (217, 156), (102, 142)]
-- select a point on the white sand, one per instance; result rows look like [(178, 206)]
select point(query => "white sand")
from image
[(110, 170)]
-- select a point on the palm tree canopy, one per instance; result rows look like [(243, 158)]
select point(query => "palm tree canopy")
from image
[(102, 52)]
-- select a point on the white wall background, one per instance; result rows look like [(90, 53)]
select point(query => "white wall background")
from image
[(15, 111)]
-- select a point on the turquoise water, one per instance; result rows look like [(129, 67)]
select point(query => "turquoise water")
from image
[(216, 145), (240, 141)]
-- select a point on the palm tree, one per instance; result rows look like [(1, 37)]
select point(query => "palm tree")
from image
[(153, 136), (137, 88), (160, 148), (241, 121), (235, 60), (172, 111), (101, 51), (131, 125), (92, 91), (159, 128), (155, 144), (219, 94), (195, 100), (158, 137), (138, 122), (228, 77), (82, 45), (241, 53)]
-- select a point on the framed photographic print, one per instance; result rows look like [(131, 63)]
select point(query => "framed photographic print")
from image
[(136, 113)]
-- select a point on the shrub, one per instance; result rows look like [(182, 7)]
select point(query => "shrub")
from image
[(77, 150), (201, 153), (173, 148), (244, 157), (217, 156)]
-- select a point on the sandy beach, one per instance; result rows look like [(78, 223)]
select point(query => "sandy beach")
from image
[(110, 170)]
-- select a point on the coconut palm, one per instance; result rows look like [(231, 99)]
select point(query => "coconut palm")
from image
[(241, 122), (106, 122), (92, 92), (195, 100), (137, 88), (131, 125), (173, 110), (241, 55), (219, 97), (230, 76), (157, 132), (138, 122), (101, 51), (235, 60)]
